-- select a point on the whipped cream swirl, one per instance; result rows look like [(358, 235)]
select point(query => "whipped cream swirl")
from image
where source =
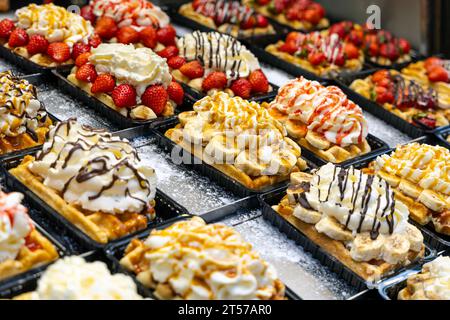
[(437, 279), (15, 225), (72, 278), (219, 52), (20, 110), (95, 170), (55, 23)]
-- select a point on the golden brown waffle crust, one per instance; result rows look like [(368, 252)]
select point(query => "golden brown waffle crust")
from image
[(27, 259), (368, 272), (98, 226), (254, 183)]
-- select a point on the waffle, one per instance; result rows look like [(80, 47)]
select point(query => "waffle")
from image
[(232, 29), (24, 141), (40, 59), (40, 253)]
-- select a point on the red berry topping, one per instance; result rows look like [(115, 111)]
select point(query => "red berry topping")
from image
[(95, 41), (148, 37), (192, 70), (79, 48), (176, 92), (215, 80), (18, 38), (59, 51), (87, 12), (6, 28), (155, 97), (86, 73), (166, 36), (37, 44), (106, 28), (176, 62), (124, 96), (82, 59), (259, 82), (168, 52), (127, 35), (103, 84), (242, 88)]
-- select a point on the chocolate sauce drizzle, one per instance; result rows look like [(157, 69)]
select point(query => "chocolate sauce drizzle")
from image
[(412, 94), (341, 177)]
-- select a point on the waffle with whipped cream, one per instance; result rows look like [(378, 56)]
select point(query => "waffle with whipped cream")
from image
[(22, 247), (93, 179), (23, 119), (72, 278), (321, 119), (192, 260), (355, 217), (230, 17), (419, 175), (432, 283), (240, 139)]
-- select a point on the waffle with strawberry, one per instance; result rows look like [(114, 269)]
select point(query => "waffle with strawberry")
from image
[(230, 17), (403, 95), (210, 62), (135, 82), (304, 15), (47, 35), (379, 46), (319, 53)]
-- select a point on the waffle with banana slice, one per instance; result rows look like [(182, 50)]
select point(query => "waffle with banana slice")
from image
[(240, 139), (321, 119), (419, 176), (355, 218)]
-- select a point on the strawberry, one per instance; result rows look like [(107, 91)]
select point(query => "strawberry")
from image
[(316, 58), (288, 47), (338, 29), (148, 37), (249, 23), (155, 97), (351, 51), (87, 12), (79, 48), (127, 35), (380, 75), (59, 51), (356, 37), (18, 38), (176, 62), (37, 44), (242, 88), (390, 51), (215, 80), (103, 84), (124, 96), (95, 41), (176, 92), (6, 28), (340, 60), (373, 49), (431, 62), (82, 59), (259, 82), (166, 35), (262, 21), (404, 45), (86, 73), (168, 52), (384, 95), (192, 70), (438, 74), (425, 120), (106, 28), (263, 2), (312, 16)]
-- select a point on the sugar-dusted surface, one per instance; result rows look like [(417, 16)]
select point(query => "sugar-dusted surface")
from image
[(5, 66), (297, 269), (385, 132), (196, 193)]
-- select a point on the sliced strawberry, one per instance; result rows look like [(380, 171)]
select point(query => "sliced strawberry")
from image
[(312, 16), (340, 60), (106, 28), (404, 45), (316, 58), (127, 35), (87, 12), (176, 92), (86, 73), (384, 95), (166, 35), (59, 51), (192, 70), (263, 2), (124, 96), (373, 49), (351, 51), (104, 83), (176, 62), (432, 62), (439, 74), (82, 59), (215, 80), (288, 47), (37, 44), (95, 41), (259, 82), (262, 21), (242, 88), (168, 52), (250, 23), (18, 38), (79, 48), (6, 28), (148, 37), (155, 97)]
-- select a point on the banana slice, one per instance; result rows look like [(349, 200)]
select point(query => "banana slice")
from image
[(219, 152), (415, 238), (299, 177), (252, 168), (308, 216), (317, 140), (295, 129), (184, 117), (432, 201), (409, 189), (391, 179), (333, 229), (366, 249), (395, 249), (293, 192)]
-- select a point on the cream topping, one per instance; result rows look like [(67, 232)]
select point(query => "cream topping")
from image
[(437, 284)]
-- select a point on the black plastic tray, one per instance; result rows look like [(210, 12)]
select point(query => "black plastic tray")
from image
[(269, 199), (115, 252), (122, 121), (206, 169), (442, 134), (17, 279), (415, 56), (410, 129), (166, 207)]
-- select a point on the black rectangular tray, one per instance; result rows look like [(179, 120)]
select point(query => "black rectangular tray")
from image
[(166, 207), (17, 279), (122, 121), (115, 252), (415, 56), (206, 169), (410, 129), (269, 199), (442, 134)]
